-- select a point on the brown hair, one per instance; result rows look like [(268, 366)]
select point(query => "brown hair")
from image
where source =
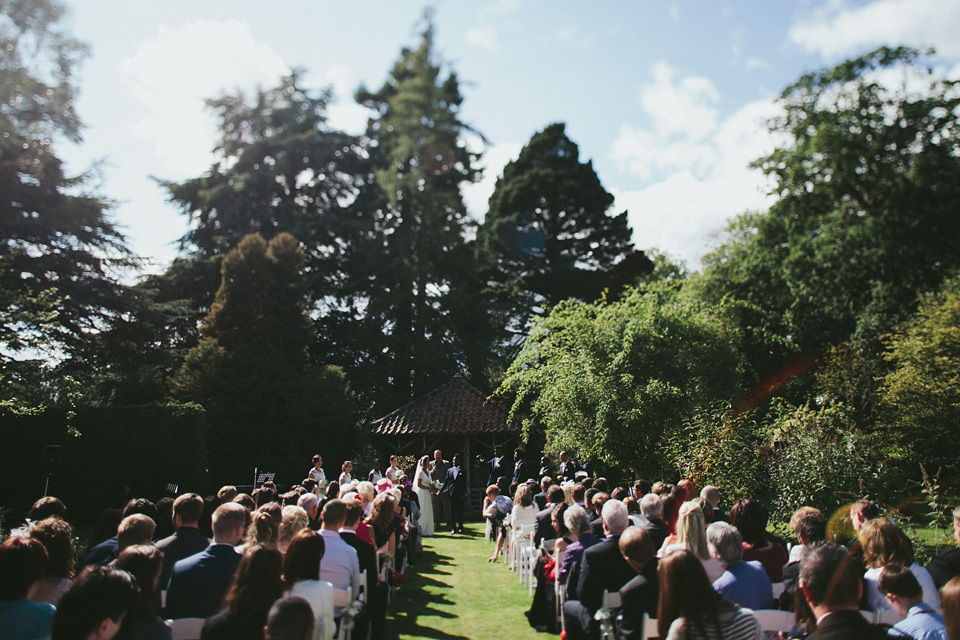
[(189, 507), (56, 536), (262, 531), (750, 518), (900, 581), (883, 542), (950, 601), (143, 562), (22, 562), (257, 583), (302, 560), (686, 592)]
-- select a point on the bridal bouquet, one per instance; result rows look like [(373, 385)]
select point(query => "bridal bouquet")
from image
[(436, 485)]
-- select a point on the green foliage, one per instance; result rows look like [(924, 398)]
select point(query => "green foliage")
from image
[(610, 381), (267, 405), (549, 234), (59, 252), (819, 461), (920, 397), (867, 189), (721, 446), (114, 452), (423, 318)]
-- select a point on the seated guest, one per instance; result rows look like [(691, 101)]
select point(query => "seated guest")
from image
[(106, 552), (144, 562), (165, 514), (712, 495), (290, 618), (56, 535), (340, 565), (376, 592), (261, 532), (22, 562), (105, 527), (810, 527), (198, 583), (311, 504), (301, 577), (651, 507), (950, 598), (830, 583), (946, 566), (640, 595), (596, 515), (905, 596), (603, 568), (47, 507), (543, 528), (750, 519), (186, 539), (244, 499), (744, 583), (578, 524), (692, 536), (690, 608), (884, 543), (95, 604), (540, 499), (580, 495), (134, 530), (384, 523), (227, 493), (294, 519), (255, 587)]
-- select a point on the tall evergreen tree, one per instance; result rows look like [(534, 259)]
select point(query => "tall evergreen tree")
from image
[(265, 402), (417, 270), (549, 233), (60, 251)]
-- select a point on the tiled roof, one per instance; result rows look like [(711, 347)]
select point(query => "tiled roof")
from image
[(456, 407)]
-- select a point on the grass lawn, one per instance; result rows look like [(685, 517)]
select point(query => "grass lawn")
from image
[(454, 593)]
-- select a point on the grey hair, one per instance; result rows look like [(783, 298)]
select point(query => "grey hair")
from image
[(308, 501), (615, 516), (726, 542), (576, 519), (651, 506)]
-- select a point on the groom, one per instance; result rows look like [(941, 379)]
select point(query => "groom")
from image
[(455, 487)]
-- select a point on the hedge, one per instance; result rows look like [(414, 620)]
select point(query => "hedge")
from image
[(117, 452)]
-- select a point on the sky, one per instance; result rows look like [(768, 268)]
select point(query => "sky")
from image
[(668, 99)]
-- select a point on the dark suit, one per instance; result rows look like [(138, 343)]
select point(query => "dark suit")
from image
[(603, 568), (567, 470), (847, 625), (441, 501), (637, 597), (543, 528), (103, 553), (199, 582), (596, 526), (455, 489), (657, 529), (376, 598), (522, 470), (185, 542), (497, 469), (945, 567), (540, 500)]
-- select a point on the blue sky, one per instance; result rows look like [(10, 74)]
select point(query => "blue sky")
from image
[(666, 98)]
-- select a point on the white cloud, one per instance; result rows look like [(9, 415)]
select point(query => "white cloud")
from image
[(683, 106), (573, 36), (837, 30), (702, 181), (344, 113), (495, 157), (173, 73), (753, 64), (485, 37)]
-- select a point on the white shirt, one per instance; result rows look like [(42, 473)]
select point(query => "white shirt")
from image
[(319, 594), (340, 565)]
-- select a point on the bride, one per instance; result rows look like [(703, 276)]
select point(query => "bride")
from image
[(425, 495)]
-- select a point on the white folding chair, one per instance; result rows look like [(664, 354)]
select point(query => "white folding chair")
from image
[(778, 589), (649, 629), (604, 615), (774, 619), (349, 605), (186, 628), (558, 591), (887, 617)]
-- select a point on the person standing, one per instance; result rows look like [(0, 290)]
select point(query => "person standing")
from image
[(425, 492), (316, 473), (455, 488), (495, 464), (441, 499)]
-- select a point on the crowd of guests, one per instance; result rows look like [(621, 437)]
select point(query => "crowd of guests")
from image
[(700, 571), (258, 565)]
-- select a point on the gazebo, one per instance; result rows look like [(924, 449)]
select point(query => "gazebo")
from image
[(455, 418)]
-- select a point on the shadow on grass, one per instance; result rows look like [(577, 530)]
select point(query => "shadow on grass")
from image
[(413, 601)]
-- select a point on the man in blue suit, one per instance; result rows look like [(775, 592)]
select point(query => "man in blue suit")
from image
[(199, 582), (455, 486)]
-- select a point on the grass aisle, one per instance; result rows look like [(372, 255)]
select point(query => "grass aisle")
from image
[(453, 593)]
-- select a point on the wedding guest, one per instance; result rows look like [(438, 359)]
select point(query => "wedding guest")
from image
[(578, 525), (47, 507), (165, 514), (905, 596), (742, 582), (294, 519), (95, 604), (56, 535), (106, 552), (345, 477), (340, 565), (144, 563), (290, 618), (946, 565), (641, 595), (255, 587), (691, 535), (133, 530), (301, 577), (884, 543), (22, 562), (227, 493), (393, 472), (750, 519), (690, 608), (950, 599), (186, 539)]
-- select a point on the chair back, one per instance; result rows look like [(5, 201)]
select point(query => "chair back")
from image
[(186, 628), (775, 620)]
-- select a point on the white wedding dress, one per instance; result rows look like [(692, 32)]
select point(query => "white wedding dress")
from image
[(426, 503)]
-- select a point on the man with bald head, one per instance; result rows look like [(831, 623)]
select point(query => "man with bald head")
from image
[(712, 496)]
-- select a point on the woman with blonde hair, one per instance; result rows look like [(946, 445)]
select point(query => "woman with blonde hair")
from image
[(294, 520), (691, 536)]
